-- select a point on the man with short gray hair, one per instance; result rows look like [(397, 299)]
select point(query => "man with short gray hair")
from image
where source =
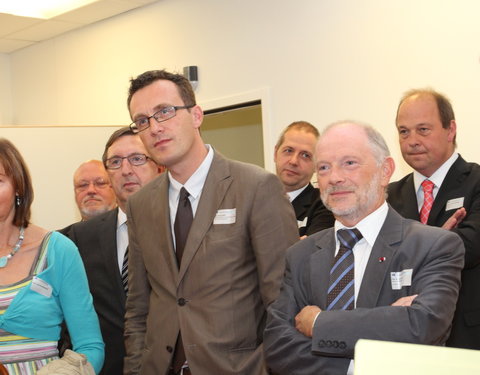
[(375, 275)]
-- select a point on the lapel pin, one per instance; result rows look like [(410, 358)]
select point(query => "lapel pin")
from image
[(382, 259)]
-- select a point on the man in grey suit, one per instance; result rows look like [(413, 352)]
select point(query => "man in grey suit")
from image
[(102, 241), (207, 244), (384, 278)]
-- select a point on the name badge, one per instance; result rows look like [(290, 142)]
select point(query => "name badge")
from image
[(453, 204), (302, 223), (401, 279), (41, 287), (225, 216)]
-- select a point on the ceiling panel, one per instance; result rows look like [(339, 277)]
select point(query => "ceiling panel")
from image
[(19, 32)]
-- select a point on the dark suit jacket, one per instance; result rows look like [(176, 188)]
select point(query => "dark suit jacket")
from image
[(97, 242), (436, 257), (230, 272), (462, 180), (309, 205)]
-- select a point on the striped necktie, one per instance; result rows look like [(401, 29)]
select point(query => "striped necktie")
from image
[(125, 271), (341, 292)]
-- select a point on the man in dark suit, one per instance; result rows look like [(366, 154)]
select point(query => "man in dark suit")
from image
[(103, 240), (384, 278), (207, 244), (295, 167), (427, 130)]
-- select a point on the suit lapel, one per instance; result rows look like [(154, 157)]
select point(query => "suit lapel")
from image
[(161, 212), (302, 203), (216, 186), (409, 200), (108, 248), (320, 265), (452, 182), (379, 261)]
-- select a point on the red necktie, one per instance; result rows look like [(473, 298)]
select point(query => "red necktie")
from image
[(427, 187)]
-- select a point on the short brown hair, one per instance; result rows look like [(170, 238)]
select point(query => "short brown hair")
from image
[(298, 125), (444, 106), (116, 135), (16, 168), (183, 85)]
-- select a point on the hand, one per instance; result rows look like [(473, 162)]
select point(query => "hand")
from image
[(305, 318), (405, 301), (303, 237), (455, 219)]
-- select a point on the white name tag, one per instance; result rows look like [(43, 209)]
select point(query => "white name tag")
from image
[(452, 204), (302, 223), (226, 216), (401, 279), (41, 287)]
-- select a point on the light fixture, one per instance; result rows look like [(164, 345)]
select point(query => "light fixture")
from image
[(41, 8)]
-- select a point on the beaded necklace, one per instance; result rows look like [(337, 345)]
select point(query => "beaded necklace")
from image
[(4, 260)]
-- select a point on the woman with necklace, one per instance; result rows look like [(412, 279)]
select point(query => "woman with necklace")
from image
[(42, 284)]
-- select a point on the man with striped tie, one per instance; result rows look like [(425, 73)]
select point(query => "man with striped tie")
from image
[(375, 275), (103, 240)]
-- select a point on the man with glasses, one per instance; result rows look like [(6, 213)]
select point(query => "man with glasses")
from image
[(207, 244), (93, 192), (103, 240)]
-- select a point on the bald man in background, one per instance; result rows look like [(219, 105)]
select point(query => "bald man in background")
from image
[(94, 194)]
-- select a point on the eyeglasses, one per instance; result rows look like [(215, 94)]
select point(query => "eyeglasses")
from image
[(164, 114), (116, 162), (98, 184)]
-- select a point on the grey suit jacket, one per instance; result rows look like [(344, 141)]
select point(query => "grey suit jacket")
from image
[(230, 272), (96, 240), (436, 257)]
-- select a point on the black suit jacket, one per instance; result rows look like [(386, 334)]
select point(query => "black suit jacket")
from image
[(462, 180), (309, 205), (97, 242)]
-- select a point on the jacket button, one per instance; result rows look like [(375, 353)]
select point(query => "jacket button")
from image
[(169, 349), (182, 301)]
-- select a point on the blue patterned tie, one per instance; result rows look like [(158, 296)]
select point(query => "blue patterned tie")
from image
[(341, 292)]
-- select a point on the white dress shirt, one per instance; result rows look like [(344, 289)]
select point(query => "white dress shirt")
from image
[(194, 186), (122, 237), (437, 178)]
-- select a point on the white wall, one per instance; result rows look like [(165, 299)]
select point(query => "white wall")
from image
[(5, 90), (52, 155), (318, 60)]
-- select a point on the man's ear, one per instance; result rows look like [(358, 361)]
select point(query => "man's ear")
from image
[(388, 167), (197, 114), (452, 131)]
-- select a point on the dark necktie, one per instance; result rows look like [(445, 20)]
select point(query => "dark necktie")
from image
[(183, 222), (341, 292), (427, 187), (125, 271)]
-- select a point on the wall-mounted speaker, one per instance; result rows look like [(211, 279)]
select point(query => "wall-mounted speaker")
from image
[(191, 73)]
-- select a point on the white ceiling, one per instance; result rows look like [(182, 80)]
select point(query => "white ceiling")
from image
[(19, 32)]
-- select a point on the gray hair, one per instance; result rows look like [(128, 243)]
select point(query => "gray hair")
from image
[(376, 141)]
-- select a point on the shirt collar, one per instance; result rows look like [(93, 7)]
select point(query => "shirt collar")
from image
[(438, 176), (293, 194), (121, 218), (370, 225), (194, 184)]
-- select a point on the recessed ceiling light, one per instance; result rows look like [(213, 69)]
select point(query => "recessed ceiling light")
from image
[(41, 8)]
